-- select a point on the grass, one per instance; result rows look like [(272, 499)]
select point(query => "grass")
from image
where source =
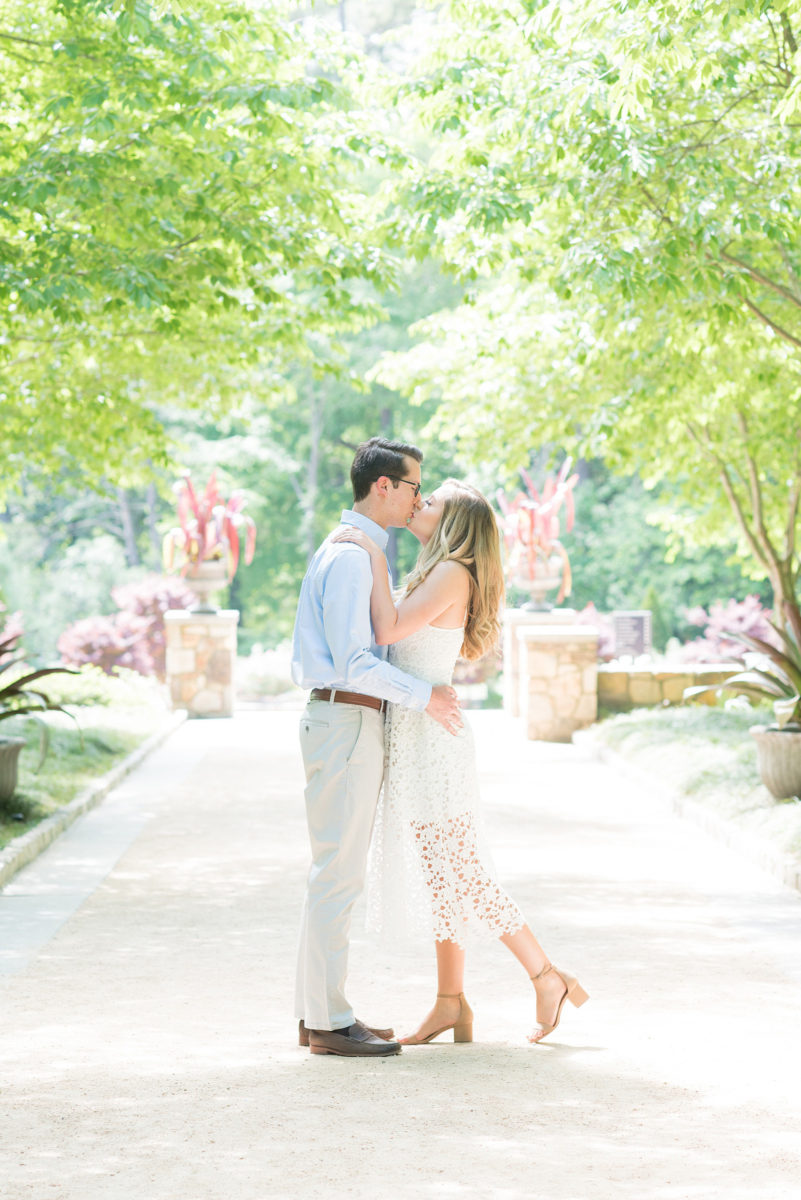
[(115, 716), (707, 755)]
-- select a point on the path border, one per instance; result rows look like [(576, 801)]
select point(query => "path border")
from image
[(781, 866), (22, 850)]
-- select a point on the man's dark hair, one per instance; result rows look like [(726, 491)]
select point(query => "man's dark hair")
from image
[(378, 457)]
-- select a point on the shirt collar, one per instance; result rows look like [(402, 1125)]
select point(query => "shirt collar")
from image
[(379, 535)]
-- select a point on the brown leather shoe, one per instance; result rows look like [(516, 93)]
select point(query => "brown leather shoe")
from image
[(386, 1035), (355, 1042)]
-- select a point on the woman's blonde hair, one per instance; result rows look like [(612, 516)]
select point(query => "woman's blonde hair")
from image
[(467, 533)]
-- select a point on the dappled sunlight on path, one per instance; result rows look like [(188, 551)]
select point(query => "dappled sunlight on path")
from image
[(148, 1043)]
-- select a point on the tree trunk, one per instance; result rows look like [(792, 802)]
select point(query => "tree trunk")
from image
[(310, 488), (385, 425), (786, 609), (743, 490), (128, 530), (152, 530)]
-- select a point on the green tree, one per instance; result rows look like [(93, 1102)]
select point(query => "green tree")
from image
[(177, 196), (621, 182)]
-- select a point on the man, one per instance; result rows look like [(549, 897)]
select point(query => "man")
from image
[(342, 740)]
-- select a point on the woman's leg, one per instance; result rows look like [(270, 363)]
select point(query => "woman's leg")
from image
[(450, 1009), (450, 968), (527, 950), (550, 987)]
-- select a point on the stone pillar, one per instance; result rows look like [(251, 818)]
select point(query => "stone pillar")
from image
[(201, 653), (515, 619), (558, 680)]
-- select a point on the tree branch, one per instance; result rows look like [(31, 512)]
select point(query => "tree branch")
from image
[(795, 500), (790, 268), (36, 62), (757, 506), (789, 36), (714, 122), (16, 37), (729, 489), (792, 519), (760, 277), (785, 334)]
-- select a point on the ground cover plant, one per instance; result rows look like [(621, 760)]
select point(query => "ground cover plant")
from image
[(116, 715), (705, 754)]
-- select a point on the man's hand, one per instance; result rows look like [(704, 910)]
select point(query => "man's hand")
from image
[(444, 707)]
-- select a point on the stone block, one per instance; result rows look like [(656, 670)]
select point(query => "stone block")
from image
[(589, 679), (180, 661), (587, 710), (568, 685), (566, 705), (613, 683), (208, 702), (220, 667), (541, 664), (644, 689), (673, 687), (539, 708)]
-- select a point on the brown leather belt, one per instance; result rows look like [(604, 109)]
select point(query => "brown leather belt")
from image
[(349, 698)]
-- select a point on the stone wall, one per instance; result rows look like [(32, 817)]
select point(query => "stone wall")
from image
[(513, 620), (558, 679), (622, 688), (553, 681), (201, 654)]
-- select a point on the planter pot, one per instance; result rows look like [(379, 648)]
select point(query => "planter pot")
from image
[(204, 579), (779, 758), (9, 756), (547, 578)]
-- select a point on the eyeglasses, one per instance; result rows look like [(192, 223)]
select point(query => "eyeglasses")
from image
[(410, 482)]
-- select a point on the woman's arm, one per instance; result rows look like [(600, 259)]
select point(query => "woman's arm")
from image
[(446, 587), (383, 614)]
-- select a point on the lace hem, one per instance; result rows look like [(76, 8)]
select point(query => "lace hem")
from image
[(435, 879)]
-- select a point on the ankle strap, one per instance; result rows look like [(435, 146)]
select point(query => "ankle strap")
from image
[(449, 995), (544, 971)]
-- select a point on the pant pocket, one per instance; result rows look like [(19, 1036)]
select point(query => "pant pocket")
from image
[(357, 732)]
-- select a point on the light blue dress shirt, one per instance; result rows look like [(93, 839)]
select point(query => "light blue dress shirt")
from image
[(333, 644)]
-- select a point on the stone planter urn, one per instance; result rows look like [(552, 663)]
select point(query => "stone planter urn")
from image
[(548, 576), (779, 760), (9, 758), (205, 578)]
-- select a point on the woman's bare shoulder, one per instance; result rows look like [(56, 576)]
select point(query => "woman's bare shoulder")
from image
[(451, 574)]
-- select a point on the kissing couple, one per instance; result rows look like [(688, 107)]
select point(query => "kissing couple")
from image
[(376, 717)]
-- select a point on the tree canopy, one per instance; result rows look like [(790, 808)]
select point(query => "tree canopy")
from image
[(177, 198), (620, 182), (209, 214)]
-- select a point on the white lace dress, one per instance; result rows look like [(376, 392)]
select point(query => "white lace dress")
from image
[(430, 872)]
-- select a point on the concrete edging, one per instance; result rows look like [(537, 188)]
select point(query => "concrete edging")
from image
[(23, 850), (780, 866)]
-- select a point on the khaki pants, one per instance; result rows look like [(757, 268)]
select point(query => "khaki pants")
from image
[(343, 754)]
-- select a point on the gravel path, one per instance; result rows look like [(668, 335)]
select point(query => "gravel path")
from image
[(148, 1047)]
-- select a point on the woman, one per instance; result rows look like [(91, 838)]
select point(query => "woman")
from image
[(427, 839)]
